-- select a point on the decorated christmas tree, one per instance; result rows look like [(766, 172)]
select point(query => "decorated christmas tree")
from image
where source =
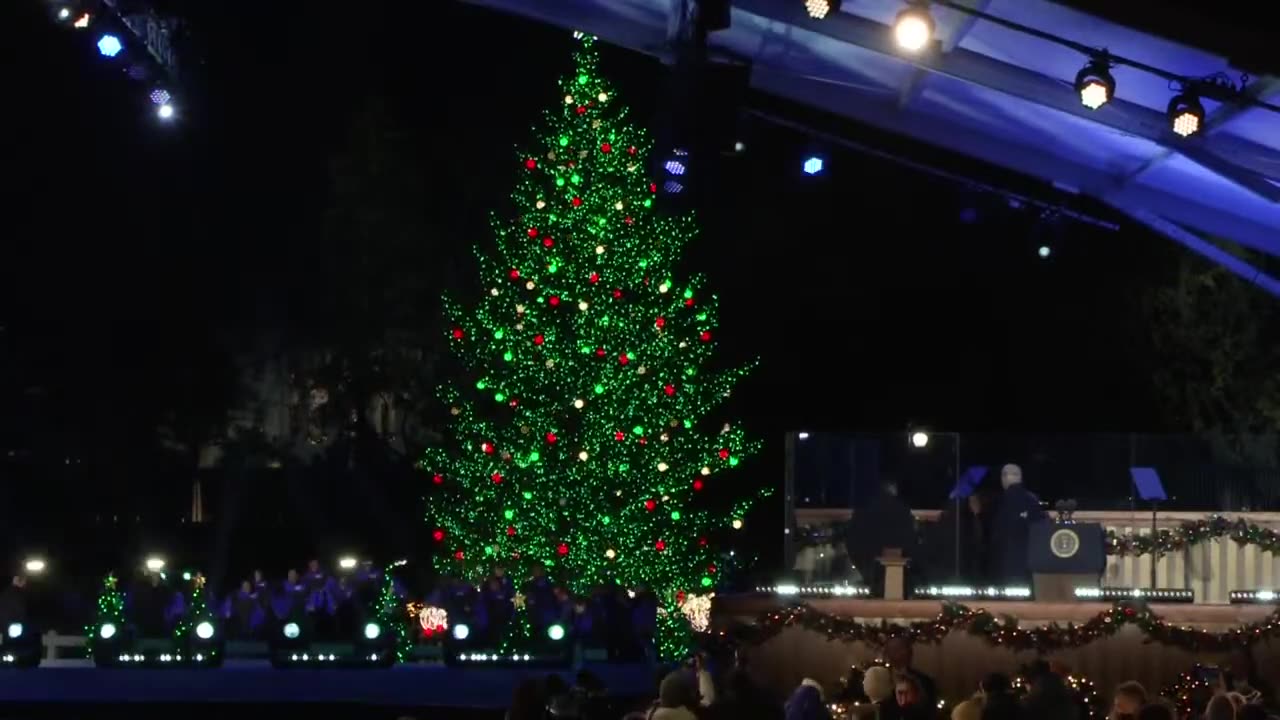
[(108, 619), (581, 438)]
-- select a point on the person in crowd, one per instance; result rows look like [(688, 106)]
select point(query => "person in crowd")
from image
[(149, 604), (1220, 707), (315, 579), (900, 653), (807, 702), (910, 697), (886, 523), (1161, 709), (1128, 699), (706, 681), (643, 622), (970, 709), (877, 683), (1242, 676), (498, 608), (744, 700), (998, 702), (1011, 529), (291, 602), (13, 602), (677, 698), (243, 612), (528, 702), (1049, 698)]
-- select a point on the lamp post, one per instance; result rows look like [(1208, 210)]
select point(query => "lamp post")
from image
[(919, 440)]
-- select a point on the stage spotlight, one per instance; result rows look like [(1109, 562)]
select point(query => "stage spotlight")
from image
[(291, 631), (347, 563), (1186, 114), (1044, 252), (34, 566), (820, 9), (160, 96), (64, 14), (672, 187), (109, 46), (556, 632), (372, 631), (155, 564), (678, 164), (14, 631), (913, 28), (1095, 84), (461, 631), (802, 436), (919, 439), (82, 22), (204, 630), (814, 165), (107, 631), (165, 112)]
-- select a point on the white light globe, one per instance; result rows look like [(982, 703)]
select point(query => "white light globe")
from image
[(204, 630)]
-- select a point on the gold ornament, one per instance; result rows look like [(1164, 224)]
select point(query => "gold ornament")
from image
[(540, 204), (595, 123), (551, 363), (673, 422), (529, 285), (519, 326), (493, 292), (519, 309), (641, 370), (582, 154), (518, 601), (455, 410), (524, 429), (664, 437)]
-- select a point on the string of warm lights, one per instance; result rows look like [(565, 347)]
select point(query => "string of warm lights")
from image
[(914, 27), (1004, 631)]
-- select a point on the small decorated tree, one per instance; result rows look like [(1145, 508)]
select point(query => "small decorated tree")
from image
[(108, 619), (581, 435)]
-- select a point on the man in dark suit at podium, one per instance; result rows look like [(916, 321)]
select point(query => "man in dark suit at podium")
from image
[(886, 523), (1019, 510)]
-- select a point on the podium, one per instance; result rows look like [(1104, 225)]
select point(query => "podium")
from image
[(1065, 556)]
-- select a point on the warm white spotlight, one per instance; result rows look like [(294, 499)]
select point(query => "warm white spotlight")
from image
[(204, 630), (347, 563), (820, 9), (165, 112), (802, 436), (1095, 84), (919, 439), (155, 564), (913, 29), (82, 22), (34, 566), (1186, 115)]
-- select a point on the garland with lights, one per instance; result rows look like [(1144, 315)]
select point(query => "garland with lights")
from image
[(1004, 631), (1194, 532), (390, 613), (110, 610), (580, 440), (1191, 692)]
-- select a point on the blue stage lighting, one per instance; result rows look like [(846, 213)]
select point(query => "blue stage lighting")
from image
[(165, 112), (161, 96), (672, 187), (813, 165), (109, 46)]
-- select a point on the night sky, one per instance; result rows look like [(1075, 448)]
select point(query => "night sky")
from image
[(875, 296)]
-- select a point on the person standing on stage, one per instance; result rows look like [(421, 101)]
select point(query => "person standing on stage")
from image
[(886, 523), (1019, 510)]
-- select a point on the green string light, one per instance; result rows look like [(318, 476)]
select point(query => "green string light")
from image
[(589, 350)]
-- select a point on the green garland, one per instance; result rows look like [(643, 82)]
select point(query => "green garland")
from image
[(1004, 631), (1193, 532), (110, 610)]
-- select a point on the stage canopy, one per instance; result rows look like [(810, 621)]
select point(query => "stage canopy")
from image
[(1002, 96)]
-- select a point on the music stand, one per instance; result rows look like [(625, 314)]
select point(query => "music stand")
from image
[(1147, 483)]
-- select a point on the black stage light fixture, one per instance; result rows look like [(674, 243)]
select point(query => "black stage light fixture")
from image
[(1095, 84), (1186, 114), (820, 9)]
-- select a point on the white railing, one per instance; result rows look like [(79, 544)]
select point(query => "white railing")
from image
[(53, 643)]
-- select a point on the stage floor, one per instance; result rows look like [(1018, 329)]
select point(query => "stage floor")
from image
[(256, 682)]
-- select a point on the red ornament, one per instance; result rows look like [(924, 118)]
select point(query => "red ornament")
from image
[(511, 530), (650, 505), (538, 339), (705, 336), (623, 359), (577, 202), (617, 294), (724, 453), (562, 549), (680, 596), (697, 484), (487, 447), (554, 300), (581, 110), (438, 536), (599, 352), (458, 555), (643, 441), (438, 479), (533, 232), (659, 546), (514, 402), (548, 242), (594, 278), (497, 478), (606, 147), (653, 187), (551, 438), (628, 220), (531, 164), (457, 333), (669, 390), (514, 274), (631, 150), (660, 321), (688, 302), (617, 435), (711, 568), (702, 542)]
